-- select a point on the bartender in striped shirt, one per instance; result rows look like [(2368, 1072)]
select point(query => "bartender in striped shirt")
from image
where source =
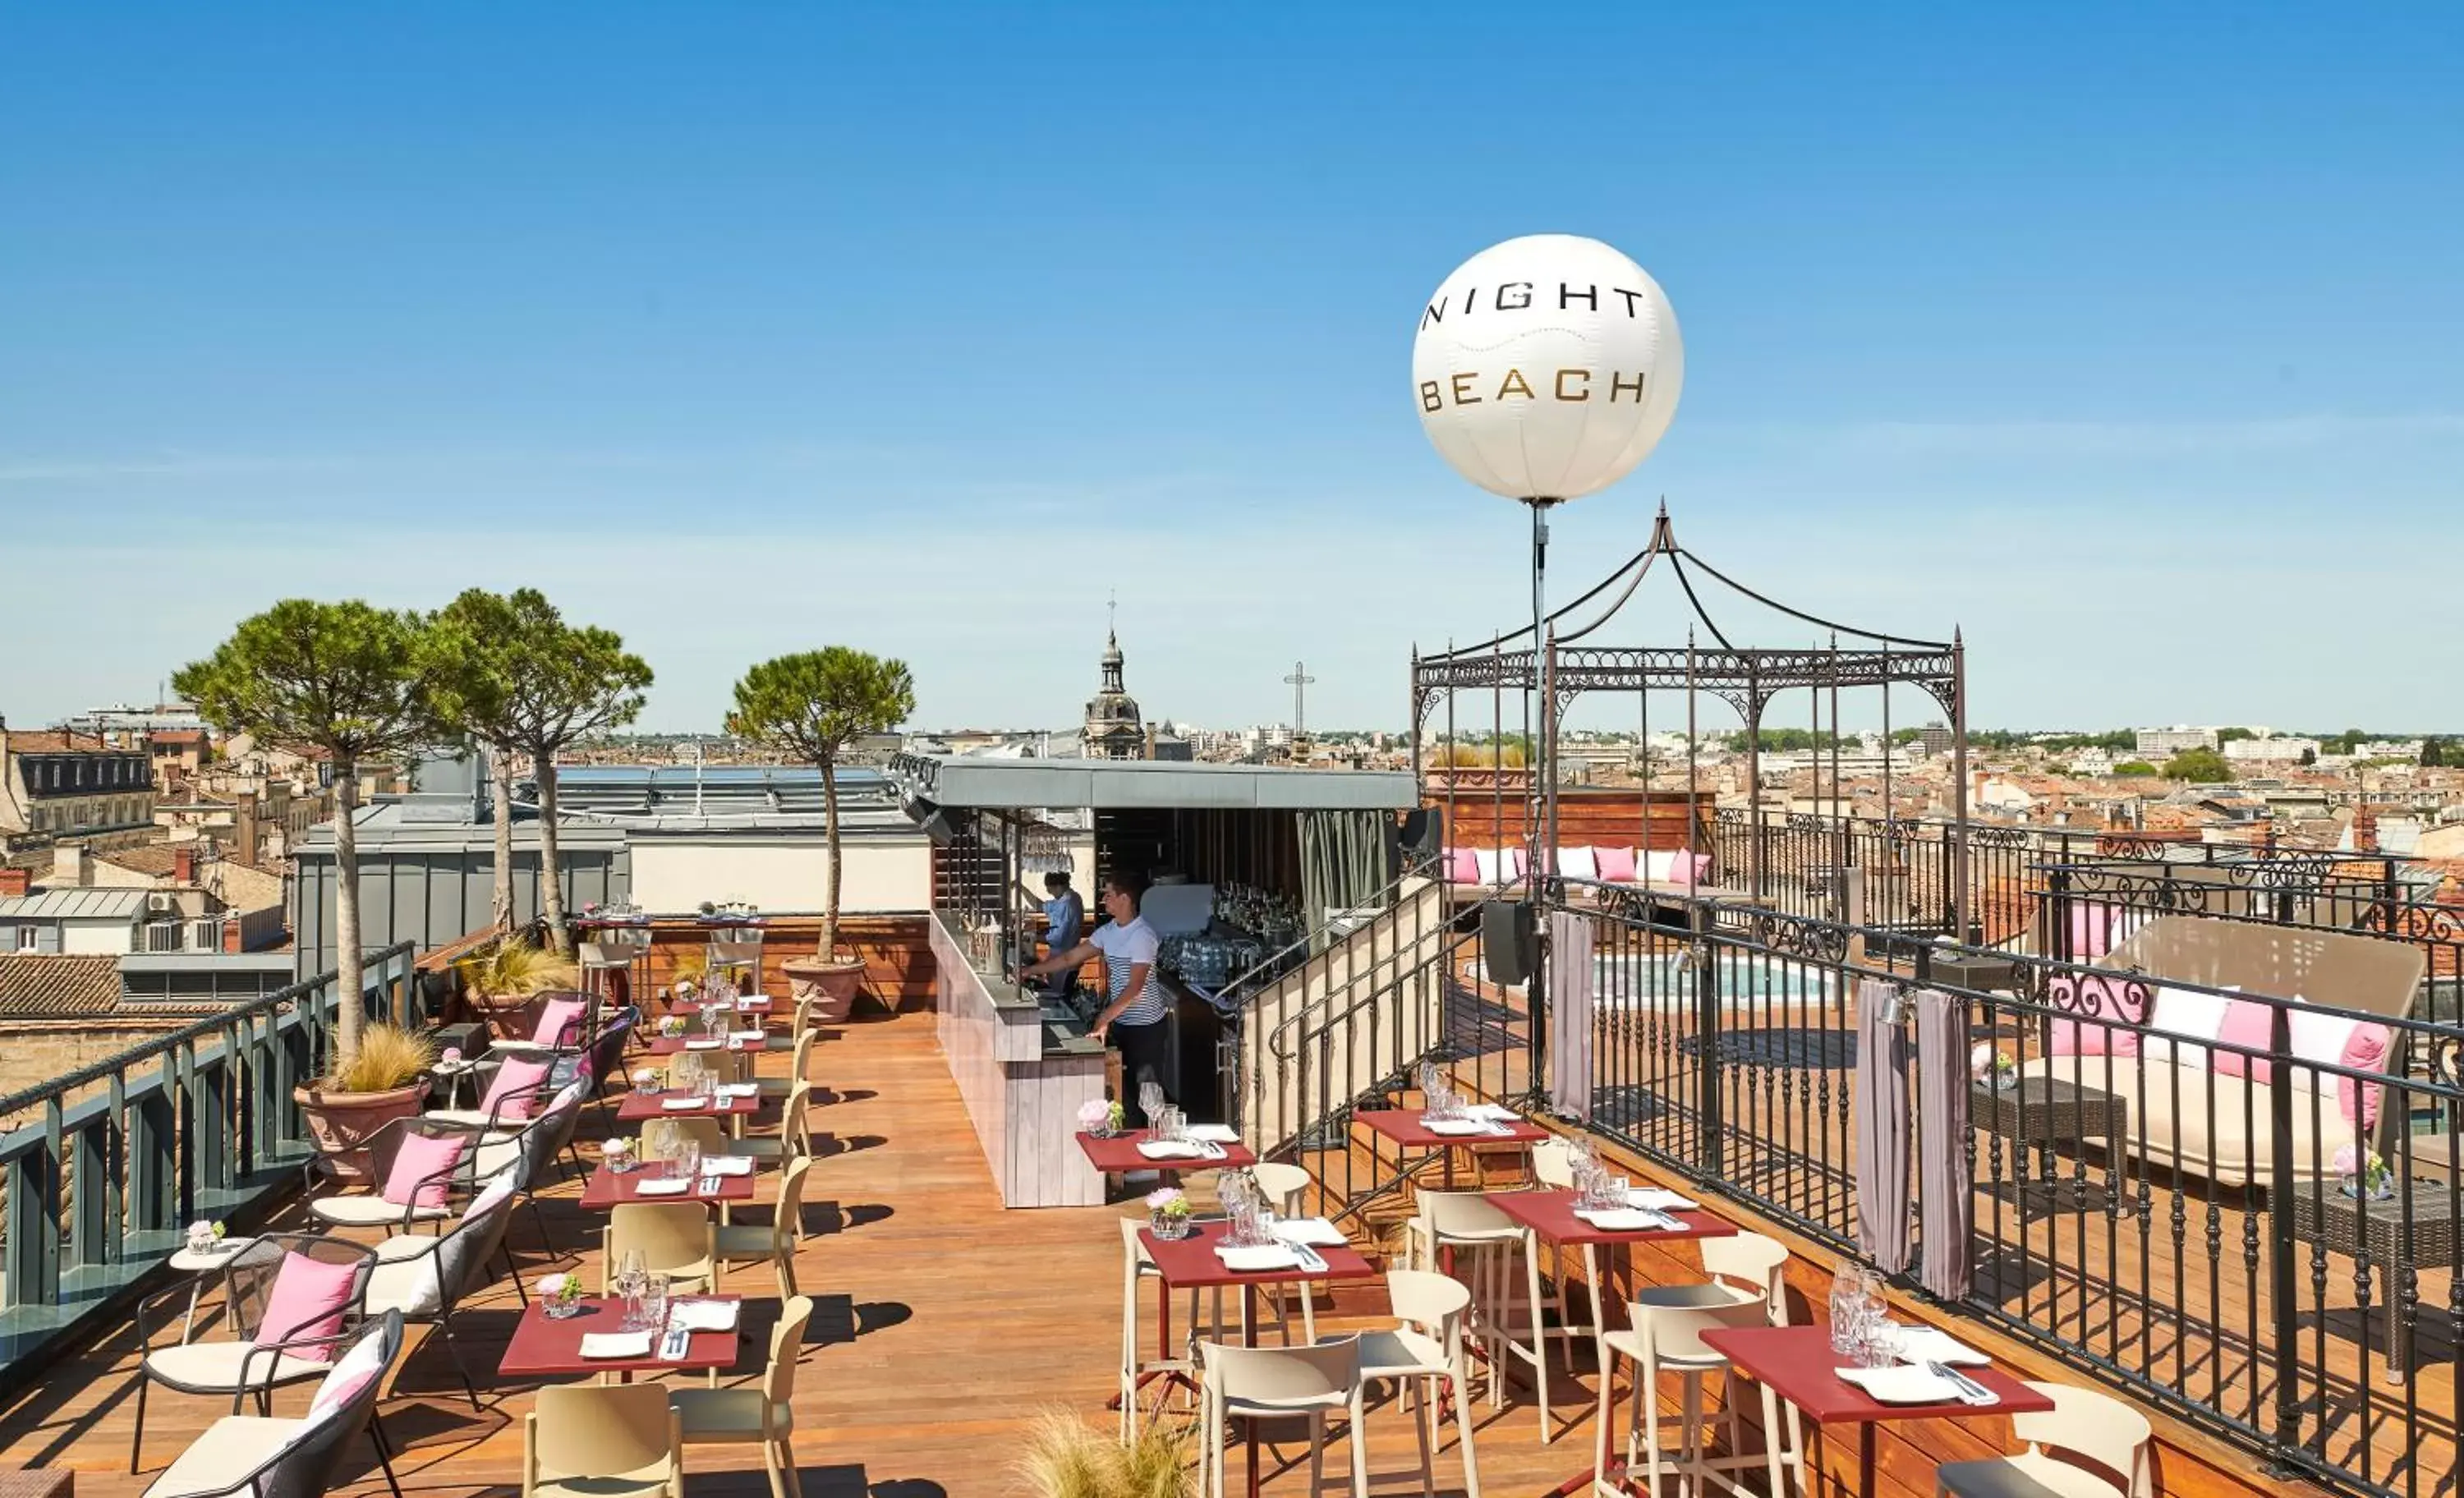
[(1133, 1020)]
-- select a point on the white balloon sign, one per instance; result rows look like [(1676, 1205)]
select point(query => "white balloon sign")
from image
[(1546, 368)]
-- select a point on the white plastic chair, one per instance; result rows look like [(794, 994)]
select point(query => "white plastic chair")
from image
[(1425, 1349), (2081, 1423), (1664, 1334), (1267, 1383), (1469, 1223)]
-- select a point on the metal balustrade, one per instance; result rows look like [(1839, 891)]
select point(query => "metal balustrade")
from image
[(103, 1169)]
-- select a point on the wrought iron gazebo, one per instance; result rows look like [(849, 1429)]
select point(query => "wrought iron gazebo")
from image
[(1565, 668)]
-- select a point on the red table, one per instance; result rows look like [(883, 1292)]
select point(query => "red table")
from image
[(1405, 1128), (608, 1188), (1550, 1213), (679, 1044), (639, 1106), (543, 1348), (1118, 1155), (1190, 1264), (750, 1004), (1797, 1364)]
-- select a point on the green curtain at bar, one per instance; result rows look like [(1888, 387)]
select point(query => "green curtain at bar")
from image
[(1345, 857)]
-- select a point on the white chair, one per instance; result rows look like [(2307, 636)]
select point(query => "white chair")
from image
[(1458, 1223), (255, 1456), (1425, 1349), (764, 1414), (1135, 1369), (602, 1441), (776, 1243), (1258, 1385), (1552, 1165), (738, 960), (1287, 1186), (1664, 1334), (2082, 1423)]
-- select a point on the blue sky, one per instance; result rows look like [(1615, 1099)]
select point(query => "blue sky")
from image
[(2123, 336)]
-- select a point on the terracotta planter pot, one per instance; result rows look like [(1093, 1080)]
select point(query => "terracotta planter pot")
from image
[(835, 979), (337, 1122)]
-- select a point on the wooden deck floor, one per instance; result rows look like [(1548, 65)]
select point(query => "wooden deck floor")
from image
[(945, 1325)]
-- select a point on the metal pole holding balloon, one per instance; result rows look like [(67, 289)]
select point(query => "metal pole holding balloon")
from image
[(1545, 368)]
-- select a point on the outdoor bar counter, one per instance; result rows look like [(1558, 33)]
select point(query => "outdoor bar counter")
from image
[(1024, 1069)]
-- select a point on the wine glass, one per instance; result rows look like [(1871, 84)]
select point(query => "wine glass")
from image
[(1149, 1100)]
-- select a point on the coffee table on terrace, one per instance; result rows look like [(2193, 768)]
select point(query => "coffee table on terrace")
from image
[(2410, 1230), (1797, 1364), (2044, 1112), (1410, 1129), (544, 1347)]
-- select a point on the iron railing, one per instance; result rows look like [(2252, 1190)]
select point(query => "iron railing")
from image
[(2178, 1222), (105, 1166)]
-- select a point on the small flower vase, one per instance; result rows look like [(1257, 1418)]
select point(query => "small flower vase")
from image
[(1170, 1226), (561, 1309), (2358, 1190), (2005, 1079), (202, 1240)]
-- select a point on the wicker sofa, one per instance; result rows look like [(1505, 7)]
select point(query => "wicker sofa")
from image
[(2181, 981)]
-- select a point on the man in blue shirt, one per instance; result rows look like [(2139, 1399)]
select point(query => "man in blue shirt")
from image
[(1065, 923)]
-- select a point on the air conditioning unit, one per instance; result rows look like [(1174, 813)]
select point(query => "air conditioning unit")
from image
[(161, 905)]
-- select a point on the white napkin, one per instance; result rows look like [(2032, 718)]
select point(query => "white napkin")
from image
[(1454, 1125), (740, 1090), (703, 1315), (1252, 1259), (1905, 1384), (615, 1344), (1492, 1112), (680, 1102), (1619, 1219), (1663, 1201), (1215, 1133), (705, 1042), (1315, 1231), (751, 1037), (727, 1164), (1171, 1150), (666, 1186), (751, 1004), (1934, 1345)]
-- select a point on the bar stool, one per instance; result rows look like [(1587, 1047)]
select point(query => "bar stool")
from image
[(1469, 1222), (1665, 1336), (737, 960), (1425, 1349), (607, 965), (1258, 1385)]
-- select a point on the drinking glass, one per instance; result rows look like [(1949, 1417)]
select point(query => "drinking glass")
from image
[(1847, 1305), (1149, 1100), (654, 1303), (689, 1158), (1618, 1191)]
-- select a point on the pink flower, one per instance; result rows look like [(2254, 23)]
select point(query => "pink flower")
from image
[(1164, 1197), (2346, 1162)]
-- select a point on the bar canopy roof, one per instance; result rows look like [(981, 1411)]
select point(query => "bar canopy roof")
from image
[(968, 783)]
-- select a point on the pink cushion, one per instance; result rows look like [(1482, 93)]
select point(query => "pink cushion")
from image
[(2246, 1023), (1693, 869), (1460, 867), (514, 1080), (2098, 928), (1615, 863), (418, 1158), (559, 1021), (308, 1299), (362, 1365), (2366, 1050)]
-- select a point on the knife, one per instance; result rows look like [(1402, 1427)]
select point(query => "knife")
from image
[(1969, 1390), (1311, 1259)]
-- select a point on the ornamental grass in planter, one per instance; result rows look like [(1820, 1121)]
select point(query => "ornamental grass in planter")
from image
[(502, 978), (383, 1078), (1067, 1458)]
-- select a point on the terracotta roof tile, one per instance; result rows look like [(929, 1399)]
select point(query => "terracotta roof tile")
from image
[(58, 988), (157, 860)]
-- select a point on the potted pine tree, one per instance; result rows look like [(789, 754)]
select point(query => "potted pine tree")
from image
[(817, 705), (354, 684)]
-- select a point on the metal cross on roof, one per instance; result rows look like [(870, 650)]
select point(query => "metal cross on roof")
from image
[(1299, 681)]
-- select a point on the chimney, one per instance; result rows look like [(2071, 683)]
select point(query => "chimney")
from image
[(183, 866), (68, 866), (14, 882)]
